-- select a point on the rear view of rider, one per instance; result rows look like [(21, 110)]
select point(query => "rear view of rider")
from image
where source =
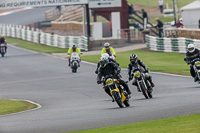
[(192, 53), (109, 60), (3, 41), (134, 64), (73, 49), (108, 49), (110, 68)]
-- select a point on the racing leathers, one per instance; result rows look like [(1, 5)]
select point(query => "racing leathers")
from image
[(189, 58), (139, 65), (111, 69), (98, 65)]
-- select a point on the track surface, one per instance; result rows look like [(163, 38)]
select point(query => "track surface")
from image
[(73, 101)]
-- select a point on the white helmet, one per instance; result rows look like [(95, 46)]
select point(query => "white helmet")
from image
[(191, 48), (105, 55), (106, 45)]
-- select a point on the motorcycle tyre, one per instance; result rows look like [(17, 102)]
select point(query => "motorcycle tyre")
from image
[(127, 103), (117, 99), (144, 91), (2, 54)]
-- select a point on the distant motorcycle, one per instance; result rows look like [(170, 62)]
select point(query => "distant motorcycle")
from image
[(74, 61), (143, 84), (196, 66), (117, 91), (2, 49)]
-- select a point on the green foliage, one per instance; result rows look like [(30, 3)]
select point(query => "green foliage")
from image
[(12, 106), (35, 46), (183, 124)]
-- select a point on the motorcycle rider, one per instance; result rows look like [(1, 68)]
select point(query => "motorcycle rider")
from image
[(110, 68), (108, 49), (136, 63), (192, 53), (74, 48), (3, 41), (109, 59)]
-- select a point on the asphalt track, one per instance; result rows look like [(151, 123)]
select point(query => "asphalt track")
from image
[(73, 101)]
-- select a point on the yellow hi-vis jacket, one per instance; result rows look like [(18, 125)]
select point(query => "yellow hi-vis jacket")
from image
[(70, 51), (111, 50)]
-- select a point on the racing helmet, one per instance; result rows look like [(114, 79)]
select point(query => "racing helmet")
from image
[(133, 58), (103, 61), (74, 47), (191, 48), (107, 45)]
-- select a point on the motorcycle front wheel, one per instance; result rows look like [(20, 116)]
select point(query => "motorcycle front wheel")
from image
[(144, 90), (118, 98)]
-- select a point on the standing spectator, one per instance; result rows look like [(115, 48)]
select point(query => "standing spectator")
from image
[(199, 23), (160, 27), (130, 9), (161, 5), (145, 18)]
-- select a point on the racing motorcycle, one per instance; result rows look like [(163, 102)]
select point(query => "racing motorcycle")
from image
[(143, 84), (2, 49), (117, 91), (74, 61), (196, 66)]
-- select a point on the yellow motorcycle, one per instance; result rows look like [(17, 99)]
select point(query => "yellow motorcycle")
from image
[(117, 91)]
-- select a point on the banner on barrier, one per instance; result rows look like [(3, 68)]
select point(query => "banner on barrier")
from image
[(5, 4)]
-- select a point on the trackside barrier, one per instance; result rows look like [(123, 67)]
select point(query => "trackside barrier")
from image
[(25, 33), (170, 44)]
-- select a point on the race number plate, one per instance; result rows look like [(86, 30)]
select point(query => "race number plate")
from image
[(109, 81)]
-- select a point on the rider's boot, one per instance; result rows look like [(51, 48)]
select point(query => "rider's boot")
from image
[(151, 82), (195, 78), (138, 89)]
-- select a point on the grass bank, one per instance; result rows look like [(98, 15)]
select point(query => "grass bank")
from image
[(156, 61), (154, 3), (13, 106), (35, 46), (184, 124)]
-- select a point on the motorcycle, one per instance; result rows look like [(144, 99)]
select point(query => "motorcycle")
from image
[(117, 91), (143, 84), (74, 61), (2, 49), (196, 66)]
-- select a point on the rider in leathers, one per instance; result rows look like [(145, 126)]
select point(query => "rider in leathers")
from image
[(110, 68), (136, 63), (109, 60), (192, 53)]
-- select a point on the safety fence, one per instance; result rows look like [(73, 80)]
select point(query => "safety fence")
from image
[(32, 35), (170, 44)]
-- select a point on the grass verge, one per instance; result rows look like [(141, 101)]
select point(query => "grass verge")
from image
[(183, 124), (35, 46), (13, 106), (156, 61)]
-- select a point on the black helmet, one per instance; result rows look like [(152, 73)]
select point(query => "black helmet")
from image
[(133, 58), (74, 47)]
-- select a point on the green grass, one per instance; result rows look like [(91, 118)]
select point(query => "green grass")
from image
[(156, 61), (184, 124), (154, 3), (35, 46), (12, 106)]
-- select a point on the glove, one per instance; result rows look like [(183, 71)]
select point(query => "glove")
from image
[(130, 77), (184, 59), (96, 72), (98, 82)]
